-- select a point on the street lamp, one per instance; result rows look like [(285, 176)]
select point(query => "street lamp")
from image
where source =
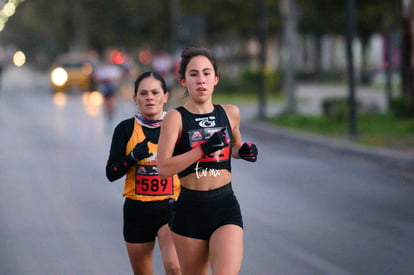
[(350, 31)]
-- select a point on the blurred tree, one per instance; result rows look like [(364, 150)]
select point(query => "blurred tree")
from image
[(289, 15), (371, 19), (262, 37), (407, 53), (374, 16), (50, 27), (310, 22)]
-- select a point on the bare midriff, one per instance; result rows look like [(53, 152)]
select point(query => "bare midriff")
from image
[(204, 180)]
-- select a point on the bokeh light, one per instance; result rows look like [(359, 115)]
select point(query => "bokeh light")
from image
[(145, 57), (8, 9), (59, 99), (59, 76), (19, 58)]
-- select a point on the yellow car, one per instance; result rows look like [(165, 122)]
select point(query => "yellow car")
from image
[(71, 72)]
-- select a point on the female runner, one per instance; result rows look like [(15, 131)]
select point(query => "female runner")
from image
[(197, 142), (147, 197)]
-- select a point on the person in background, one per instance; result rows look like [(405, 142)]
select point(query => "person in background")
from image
[(94, 62), (197, 142), (148, 198), (107, 78), (163, 64)]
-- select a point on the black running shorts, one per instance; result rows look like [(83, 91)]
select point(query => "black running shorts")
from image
[(142, 220), (197, 214)]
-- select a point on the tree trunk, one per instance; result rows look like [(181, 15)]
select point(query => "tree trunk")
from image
[(407, 62), (289, 18), (262, 35), (365, 77), (80, 40)]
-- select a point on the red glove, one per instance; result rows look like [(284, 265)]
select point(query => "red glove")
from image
[(248, 152)]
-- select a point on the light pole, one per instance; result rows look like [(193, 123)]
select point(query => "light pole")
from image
[(350, 32), (262, 35), (174, 24), (289, 17)]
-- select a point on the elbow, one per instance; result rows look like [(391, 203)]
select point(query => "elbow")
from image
[(163, 172), (110, 175), (111, 178), (163, 175)]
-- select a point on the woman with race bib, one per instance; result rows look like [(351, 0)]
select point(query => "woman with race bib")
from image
[(197, 142), (148, 198)]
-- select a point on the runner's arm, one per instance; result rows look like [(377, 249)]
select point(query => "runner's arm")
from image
[(118, 163), (233, 114), (168, 164)]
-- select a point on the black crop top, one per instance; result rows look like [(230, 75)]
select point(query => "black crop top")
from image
[(196, 129)]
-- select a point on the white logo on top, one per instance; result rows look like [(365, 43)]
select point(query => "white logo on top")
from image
[(206, 122)]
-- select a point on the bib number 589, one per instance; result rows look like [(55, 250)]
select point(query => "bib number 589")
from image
[(153, 186)]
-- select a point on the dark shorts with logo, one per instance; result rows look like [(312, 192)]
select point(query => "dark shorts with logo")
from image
[(197, 214), (142, 220)]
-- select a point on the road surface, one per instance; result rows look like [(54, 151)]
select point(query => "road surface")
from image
[(306, 210)]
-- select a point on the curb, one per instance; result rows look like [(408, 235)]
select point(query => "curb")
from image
[(380, 155)]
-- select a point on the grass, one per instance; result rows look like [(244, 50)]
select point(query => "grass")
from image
[(374, 130), (383, 130), (234, 98)]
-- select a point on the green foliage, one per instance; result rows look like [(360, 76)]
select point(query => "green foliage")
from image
[(370, 16), (336, 109), (248, 83), (376, 130), (53, 24), (324, 77), (402, 107), (314, 124), (273, 80)]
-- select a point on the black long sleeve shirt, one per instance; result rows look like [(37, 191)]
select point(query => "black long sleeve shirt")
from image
[(119, 161)]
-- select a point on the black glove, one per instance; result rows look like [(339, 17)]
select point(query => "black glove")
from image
[(248, 152), (140, 151), (217, 141)]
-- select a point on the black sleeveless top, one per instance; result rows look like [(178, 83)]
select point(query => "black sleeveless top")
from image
[(196, 129)]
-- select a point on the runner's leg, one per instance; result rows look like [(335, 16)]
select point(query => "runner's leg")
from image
[(168, 252), (140, 257), (192, 254), (226, 250)]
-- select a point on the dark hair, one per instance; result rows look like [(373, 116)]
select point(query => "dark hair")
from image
[(150, 74), (190, 52)]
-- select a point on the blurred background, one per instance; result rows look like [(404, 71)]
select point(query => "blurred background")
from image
[(325, 89), (266, 48)]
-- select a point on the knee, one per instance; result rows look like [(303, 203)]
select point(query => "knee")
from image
[(172, 269)]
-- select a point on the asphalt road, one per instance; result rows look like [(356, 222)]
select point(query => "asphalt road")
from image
[(306, 210)]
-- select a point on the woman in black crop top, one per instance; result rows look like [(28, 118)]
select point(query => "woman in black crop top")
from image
[(197, 142)]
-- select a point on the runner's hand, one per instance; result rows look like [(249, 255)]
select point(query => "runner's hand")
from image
[(141, 151), (248, 152), (217, 141)]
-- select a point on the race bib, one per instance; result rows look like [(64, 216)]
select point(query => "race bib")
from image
[(200, 136), (147, 182)]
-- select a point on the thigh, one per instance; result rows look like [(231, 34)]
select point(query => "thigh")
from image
[(168, 251), (226, 249), (142, 220), (192, 254), (140, 257)]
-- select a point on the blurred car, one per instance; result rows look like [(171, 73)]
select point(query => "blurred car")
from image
[(71, 72)]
